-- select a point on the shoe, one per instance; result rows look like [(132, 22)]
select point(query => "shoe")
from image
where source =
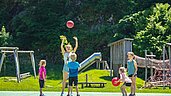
[(131, 95), (42, 95), (62, 94), (78, 94)]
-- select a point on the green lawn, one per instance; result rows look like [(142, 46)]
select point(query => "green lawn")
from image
[(31, 84)]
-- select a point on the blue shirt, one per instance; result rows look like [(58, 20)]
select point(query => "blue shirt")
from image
[(131, 67), (73, 69)]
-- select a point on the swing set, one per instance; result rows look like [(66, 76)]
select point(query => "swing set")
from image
[(15, 51)]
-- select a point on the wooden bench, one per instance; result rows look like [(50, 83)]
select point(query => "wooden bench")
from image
[(79, 83), (89, 84), (102, 84)]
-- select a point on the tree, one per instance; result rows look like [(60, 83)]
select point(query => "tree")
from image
[(4, 37), (150, 29)]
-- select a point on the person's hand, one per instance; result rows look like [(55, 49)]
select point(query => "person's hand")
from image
[(116, 82), (45, 80), (134, 75), (75, 38), (62, 37)]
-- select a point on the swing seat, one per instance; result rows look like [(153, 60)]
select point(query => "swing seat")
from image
[(25, 75)]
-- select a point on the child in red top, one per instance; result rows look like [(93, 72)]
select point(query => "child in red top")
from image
[(42, 75)]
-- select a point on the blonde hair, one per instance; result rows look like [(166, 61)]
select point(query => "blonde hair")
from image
[(74, 54), (68, 45), (122, 70), (132, 54), (42, 62)]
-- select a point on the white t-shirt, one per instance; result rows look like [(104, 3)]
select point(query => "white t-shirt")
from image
[(125, 78)]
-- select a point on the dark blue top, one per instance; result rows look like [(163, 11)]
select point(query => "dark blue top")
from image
[(73, 69)]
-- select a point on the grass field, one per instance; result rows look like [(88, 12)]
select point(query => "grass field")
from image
[(31, 84)]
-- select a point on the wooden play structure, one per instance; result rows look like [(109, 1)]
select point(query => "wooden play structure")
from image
[(160, 70), (15, 51), (118, 54)]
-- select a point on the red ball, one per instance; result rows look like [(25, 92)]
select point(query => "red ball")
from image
[(114, 80), (70, 24)]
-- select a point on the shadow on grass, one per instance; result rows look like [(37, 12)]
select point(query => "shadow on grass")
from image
[(108, 78)]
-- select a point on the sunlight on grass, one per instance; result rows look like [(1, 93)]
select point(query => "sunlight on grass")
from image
[(31, 84)]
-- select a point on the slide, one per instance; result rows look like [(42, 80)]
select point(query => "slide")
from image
[(89, 61)]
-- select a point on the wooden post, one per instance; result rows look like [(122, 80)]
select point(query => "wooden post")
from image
[(86, 80), (170, 60), (2, 60), (124, 53), (111, 58), (96, 64), (17, 65), (164, 67), (33, 63), (169, 45), (145, 68), (151, 69)]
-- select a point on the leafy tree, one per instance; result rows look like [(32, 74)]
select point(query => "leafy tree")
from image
[(4, 37), (150, 29)]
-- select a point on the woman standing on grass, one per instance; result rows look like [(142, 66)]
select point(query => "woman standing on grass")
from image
[(132, 71), (66, 50)]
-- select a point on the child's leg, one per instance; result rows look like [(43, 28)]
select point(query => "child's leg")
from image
[(69, 90), (41, 84), (134, 84), (77, 89), (65, 77), (40, 91), (123, 89)]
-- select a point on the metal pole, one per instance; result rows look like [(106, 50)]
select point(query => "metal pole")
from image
[(145, 67), (164, 66), (33, 63)]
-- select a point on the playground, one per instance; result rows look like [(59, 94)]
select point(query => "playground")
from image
[(103, 73), (3, 93), (103, 47)]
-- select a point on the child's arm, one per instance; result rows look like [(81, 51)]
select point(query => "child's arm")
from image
[(122, 79), (76, 44), (62, 48), (136, 68), (44, 78)]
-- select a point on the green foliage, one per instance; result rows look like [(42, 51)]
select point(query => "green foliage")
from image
[(4, 37), (150, 29), (38, 24)]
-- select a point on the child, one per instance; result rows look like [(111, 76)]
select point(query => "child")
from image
[(132, 71), (73, 73), (66, 50), (125, 79), (42, 75)]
